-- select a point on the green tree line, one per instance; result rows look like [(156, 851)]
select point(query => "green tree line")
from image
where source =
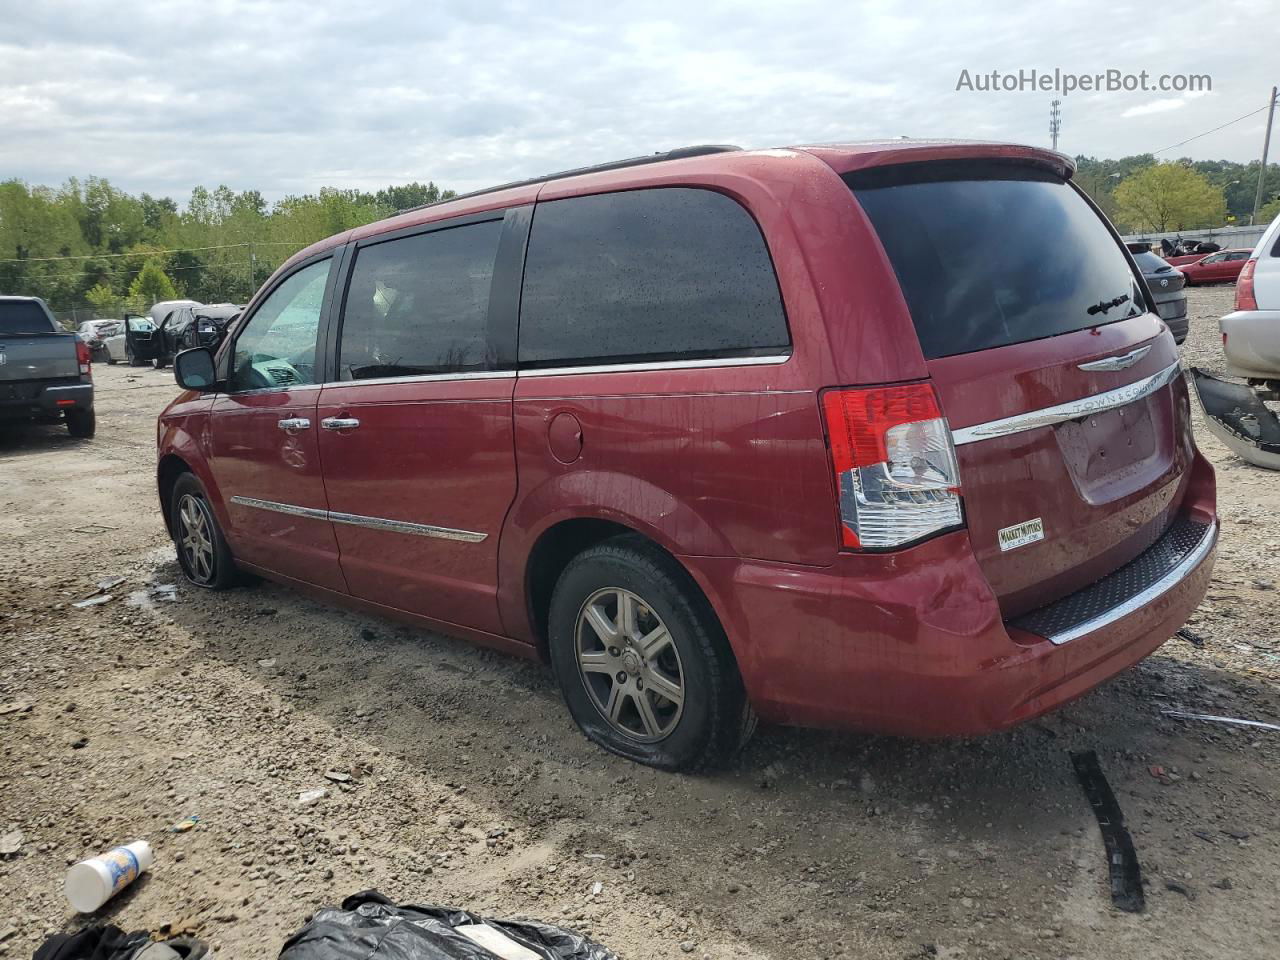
[(88, 246), (1141, 195)]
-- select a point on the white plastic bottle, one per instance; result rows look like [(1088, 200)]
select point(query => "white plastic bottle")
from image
[(91, 883)]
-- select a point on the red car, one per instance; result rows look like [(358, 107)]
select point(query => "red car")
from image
[(883, 436), (1221, 267)]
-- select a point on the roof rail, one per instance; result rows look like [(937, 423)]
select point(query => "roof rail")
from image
[(680, 153)]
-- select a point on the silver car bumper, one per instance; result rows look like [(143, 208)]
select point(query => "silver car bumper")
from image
[(1252, 343)]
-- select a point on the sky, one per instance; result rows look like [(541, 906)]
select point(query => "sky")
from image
[(287, 97)]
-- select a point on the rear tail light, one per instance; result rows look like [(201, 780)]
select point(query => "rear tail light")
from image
[(894, 462), (84, 357), (1245, 298)]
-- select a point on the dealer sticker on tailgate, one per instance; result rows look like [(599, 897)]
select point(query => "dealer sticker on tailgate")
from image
[(1020, 534)]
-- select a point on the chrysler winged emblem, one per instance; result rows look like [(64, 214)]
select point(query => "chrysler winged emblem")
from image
[(1119, 362)]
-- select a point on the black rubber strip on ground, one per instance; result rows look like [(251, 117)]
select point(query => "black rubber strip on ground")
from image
[(1122, 859)]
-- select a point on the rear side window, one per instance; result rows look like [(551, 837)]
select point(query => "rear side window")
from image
[(420, 305), (988, 255), (660, 274), (24, 316)]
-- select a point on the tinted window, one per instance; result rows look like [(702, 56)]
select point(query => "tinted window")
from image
[(1238, 255), (647, 274), (277, 346), (420, 305), (989, 255), (1149, 263), (23, 316)]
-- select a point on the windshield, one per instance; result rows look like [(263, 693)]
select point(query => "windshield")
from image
[(990, 254), (24, 316)]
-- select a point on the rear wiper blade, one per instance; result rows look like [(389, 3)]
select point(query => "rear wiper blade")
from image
[(1105, 305)]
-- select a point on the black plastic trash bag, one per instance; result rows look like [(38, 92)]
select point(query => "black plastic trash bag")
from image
[(368, 926)]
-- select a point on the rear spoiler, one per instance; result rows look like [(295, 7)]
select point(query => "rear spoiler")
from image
[(1236, 415)]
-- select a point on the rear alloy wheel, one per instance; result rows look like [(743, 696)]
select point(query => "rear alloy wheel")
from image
[(203, 553), (630, 665), (642, 661)]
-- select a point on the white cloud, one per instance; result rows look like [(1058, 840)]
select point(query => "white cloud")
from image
[(287, 96), (1155, 106)]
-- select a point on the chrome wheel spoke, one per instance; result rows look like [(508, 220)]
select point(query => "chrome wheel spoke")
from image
[(654, 642), (601, 624), (613, 708), (647, 717), (627, 614), (597, 661), (668, 690)]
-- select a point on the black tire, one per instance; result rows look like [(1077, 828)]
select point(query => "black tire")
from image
[(713, 719), (219, 572), (82, 424), (160, 362), (128, 355), (111, 361)]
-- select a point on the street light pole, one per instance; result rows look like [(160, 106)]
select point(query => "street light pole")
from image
[(1266, 145)]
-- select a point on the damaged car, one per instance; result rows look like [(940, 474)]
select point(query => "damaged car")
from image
[(1237, 414)]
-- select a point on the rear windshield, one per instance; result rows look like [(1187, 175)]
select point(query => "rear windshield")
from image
[(24, 316), (1149, 263), (990, 254)]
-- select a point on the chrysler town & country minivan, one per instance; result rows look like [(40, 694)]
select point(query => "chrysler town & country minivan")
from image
[(881, 436)]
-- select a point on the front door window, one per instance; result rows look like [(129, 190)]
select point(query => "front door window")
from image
[(277, 346)]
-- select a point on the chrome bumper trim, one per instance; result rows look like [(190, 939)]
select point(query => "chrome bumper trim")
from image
[(1143, 597), (357, 520), (1062, 412)]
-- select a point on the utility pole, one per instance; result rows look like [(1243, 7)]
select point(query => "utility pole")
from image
[(1055, 121), (1266, 145)]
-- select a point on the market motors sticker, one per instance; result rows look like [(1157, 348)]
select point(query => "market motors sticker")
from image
[(1020, 534)]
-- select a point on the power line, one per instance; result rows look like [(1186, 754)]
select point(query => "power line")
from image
[(1214, 130), (152, 253)]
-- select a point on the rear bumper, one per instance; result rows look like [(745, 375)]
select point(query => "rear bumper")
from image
[(913, 643), (1252, 343), (26, 401)]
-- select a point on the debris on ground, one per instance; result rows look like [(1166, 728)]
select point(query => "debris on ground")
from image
[(182, 826), (96, 942), (308, 797), (94, 601), (1122, 859), (1212, 718), (337, 776), (91, 883), (10, 843), (1193, 638), (21, 706), (368, 926)]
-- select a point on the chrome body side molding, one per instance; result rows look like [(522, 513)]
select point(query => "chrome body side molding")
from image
[(357, 520)]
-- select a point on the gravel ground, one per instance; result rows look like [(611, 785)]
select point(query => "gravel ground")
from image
[(468, 784)]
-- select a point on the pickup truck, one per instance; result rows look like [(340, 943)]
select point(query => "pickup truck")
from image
[(45, 373)]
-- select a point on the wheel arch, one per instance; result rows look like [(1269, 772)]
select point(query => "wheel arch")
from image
[(556, 547), (168, 470)]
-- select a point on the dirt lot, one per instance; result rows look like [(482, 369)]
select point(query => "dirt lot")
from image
[(470, 786)]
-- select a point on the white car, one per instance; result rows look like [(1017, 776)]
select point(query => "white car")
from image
[(1237, 414), (95, 332), (1251, 333)]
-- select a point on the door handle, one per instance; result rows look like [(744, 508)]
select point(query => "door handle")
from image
[(293, 424), (339, 423)]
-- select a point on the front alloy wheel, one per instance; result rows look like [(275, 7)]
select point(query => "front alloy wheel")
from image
[(196, 540), (629, 665)]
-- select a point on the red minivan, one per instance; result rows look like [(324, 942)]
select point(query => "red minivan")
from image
[(880, 436)]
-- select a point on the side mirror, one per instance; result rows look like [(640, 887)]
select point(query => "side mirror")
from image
[(194, 370)]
